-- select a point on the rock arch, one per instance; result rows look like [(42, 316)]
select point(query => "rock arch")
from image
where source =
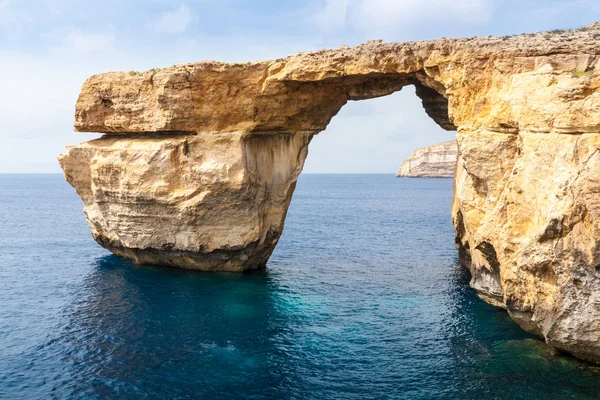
[(199, 161)]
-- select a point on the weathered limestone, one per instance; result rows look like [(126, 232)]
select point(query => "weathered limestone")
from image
[(528, 226), (199, 161), (435, 161), (207, 202)]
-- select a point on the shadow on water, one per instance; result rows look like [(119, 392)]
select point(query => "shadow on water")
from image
[(163, 333)]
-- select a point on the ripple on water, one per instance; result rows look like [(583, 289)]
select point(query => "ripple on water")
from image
[(362, 299)]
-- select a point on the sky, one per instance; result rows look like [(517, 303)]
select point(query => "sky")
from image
[(48, 49)]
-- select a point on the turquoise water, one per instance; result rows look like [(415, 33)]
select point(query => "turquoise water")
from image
[(362, 299)]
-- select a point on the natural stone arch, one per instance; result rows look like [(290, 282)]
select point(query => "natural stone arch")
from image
[(199, 161)]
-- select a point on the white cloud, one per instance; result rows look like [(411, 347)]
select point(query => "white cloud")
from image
[(392, 12), (381, 15), (81, 42), (8, 16), (333, 16), (557, 10), (174, 21)]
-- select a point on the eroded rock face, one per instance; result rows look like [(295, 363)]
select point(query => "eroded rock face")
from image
[(435, 161), (199, 161), (207, 202), (529, 225)]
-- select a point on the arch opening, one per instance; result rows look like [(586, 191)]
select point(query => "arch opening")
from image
[(374, 136)]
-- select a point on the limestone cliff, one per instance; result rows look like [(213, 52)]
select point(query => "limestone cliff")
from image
[(435, 161), (199, 161)]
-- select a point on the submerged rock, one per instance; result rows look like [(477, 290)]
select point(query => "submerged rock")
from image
[(199, 161), (435, 161)]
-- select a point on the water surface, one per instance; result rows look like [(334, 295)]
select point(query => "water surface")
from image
[(362, 299)]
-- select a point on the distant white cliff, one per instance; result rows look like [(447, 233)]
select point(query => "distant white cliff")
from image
[(436, 161)]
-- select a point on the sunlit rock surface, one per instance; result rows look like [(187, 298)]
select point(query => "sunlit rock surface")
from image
[(435, 161), (199, 161)]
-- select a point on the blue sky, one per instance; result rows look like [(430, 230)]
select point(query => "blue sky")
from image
[(48, 48)]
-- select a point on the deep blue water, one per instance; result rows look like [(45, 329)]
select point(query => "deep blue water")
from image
[(363, 299)]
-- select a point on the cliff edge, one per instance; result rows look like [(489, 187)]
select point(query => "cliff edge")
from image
[(435, 161)]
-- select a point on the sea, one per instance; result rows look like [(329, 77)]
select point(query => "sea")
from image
[(363, 298)]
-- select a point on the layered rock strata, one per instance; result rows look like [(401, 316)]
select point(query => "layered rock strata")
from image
[(435, 161), (199, 161)]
